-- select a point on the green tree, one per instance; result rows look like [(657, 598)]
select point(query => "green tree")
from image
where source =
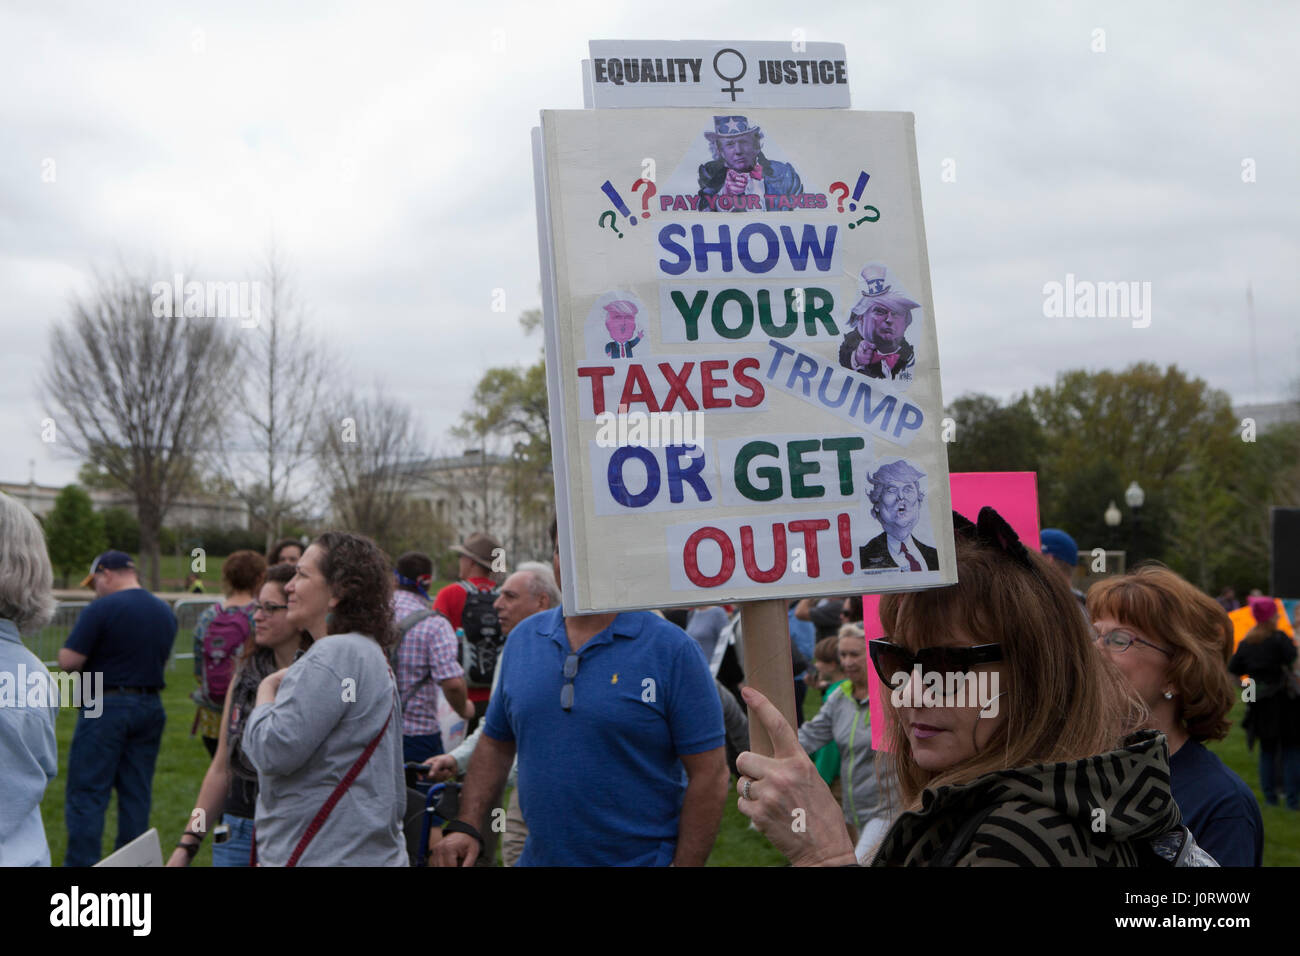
[(74, 533), (1147, 422), (993, 437), (1146, 425), (121, 529), (510, 414)]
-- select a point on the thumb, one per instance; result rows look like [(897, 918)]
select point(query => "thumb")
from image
[(785, 742)]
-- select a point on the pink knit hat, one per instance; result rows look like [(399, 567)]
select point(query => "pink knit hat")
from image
[(1263, 609)]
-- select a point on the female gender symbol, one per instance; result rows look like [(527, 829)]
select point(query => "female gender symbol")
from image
[(733, 89)]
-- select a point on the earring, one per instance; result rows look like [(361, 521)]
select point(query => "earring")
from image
[(1168, 695)]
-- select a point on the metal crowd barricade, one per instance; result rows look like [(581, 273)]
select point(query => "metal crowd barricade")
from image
[(46, 643), (188, 611)]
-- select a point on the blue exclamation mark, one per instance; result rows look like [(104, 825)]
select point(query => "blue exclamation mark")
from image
[(609, 190)]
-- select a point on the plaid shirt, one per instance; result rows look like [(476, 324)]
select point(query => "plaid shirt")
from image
[(429, 653)]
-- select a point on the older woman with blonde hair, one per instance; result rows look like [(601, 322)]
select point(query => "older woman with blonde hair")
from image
[(1008, 733), (29, 755), (1173, 642)]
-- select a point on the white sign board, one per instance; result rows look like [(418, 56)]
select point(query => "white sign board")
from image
[(144, 850), (741, 352)]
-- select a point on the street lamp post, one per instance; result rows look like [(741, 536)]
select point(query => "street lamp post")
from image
[(1134, 496), (1112, 518)]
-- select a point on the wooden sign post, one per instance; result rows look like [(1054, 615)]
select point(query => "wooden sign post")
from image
[(769, 668)]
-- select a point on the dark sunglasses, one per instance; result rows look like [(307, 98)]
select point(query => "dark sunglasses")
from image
[(890, 659)]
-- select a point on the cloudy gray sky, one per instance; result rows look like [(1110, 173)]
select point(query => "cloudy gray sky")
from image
[(387, 148)]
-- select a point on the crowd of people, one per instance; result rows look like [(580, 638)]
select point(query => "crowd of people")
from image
[(329, 676)]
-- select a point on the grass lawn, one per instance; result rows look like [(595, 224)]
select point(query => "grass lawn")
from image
[(183, 761)]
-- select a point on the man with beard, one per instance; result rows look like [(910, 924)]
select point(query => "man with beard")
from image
[(874, 344), (739, 169), (896, 499)]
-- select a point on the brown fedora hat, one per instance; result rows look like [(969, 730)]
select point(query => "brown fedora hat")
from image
[(478, 548)]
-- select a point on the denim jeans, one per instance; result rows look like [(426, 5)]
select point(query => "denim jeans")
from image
[(1270, 754), (116, 750), (239, 848)]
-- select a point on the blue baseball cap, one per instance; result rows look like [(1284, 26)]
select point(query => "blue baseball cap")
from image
[(108, 561), (1058, 544)]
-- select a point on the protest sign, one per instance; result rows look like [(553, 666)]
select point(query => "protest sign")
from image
[(741, 356), (144, 850)]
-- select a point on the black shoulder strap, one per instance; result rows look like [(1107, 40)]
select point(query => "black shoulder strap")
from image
[(961, 840)]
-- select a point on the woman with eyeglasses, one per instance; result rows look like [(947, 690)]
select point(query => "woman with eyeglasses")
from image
[(1267, 655), (1172, 643), (229, 789), (1007, 733), (325, 734)]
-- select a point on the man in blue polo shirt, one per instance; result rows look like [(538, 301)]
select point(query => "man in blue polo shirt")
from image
[(126, 635), (619, 735)]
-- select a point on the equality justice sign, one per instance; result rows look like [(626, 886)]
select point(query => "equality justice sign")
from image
[(743, 370)]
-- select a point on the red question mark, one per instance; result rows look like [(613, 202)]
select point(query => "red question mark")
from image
[(842, 196), (651, 189)]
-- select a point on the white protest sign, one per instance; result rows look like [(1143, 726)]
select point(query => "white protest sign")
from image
[(144, 850), (742, 362)]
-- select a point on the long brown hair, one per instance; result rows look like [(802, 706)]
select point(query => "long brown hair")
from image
[(1063, 700), (1197, 629)]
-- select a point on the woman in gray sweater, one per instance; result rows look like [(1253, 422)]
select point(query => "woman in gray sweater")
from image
[(331, 717), (845, 718)]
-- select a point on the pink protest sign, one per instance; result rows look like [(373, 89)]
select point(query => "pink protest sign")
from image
[(1014, 494)]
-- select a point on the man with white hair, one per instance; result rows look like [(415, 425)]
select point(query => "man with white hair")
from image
[(896, 498), (127, 635), (29, 754), (526, 592)]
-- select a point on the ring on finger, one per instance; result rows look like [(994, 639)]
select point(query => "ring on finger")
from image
[(744, 791)]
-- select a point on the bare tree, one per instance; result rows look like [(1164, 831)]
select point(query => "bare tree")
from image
[(138, 394), (265, 450), (370, 452)]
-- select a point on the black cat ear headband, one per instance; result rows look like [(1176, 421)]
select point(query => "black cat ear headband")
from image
[(992, 530)]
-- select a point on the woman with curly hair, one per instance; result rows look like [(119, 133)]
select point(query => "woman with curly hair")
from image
[(1172, 642), (325, 734)]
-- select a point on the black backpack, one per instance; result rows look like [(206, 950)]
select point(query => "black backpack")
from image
[(482, 640)]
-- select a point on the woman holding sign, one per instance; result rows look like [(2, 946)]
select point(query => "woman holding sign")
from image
[(1035, 771)]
